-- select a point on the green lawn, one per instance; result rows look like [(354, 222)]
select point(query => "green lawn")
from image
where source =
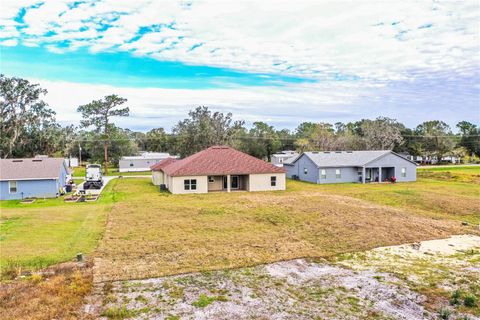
[(50, 231), (158, 233), (473, 169), (113, 171)]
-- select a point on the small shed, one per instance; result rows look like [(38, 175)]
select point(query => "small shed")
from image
[(32, 178)]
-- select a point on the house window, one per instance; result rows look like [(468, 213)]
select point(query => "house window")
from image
[(323, 174), (338, 173), (12, 186), (211, 179), (190, 184), (403, 172), (273, 181), (131, 164), (305, 170)]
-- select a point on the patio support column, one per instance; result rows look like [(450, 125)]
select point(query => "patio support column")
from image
[(379, 174), (363, 174), (228, 183)]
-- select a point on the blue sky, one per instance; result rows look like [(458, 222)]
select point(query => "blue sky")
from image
[(274, 61)]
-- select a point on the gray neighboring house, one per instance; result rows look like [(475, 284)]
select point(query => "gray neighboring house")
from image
[(278, 159), (142, 162), (32, 178), (351, 166)]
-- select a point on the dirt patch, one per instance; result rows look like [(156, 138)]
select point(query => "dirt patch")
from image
[(354, 286)]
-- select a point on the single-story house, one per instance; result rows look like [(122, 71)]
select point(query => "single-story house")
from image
[(32, 178), (216, 169), (282, 157), (142, 162), (351, 166)]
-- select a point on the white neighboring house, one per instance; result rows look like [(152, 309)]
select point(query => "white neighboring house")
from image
[(286, 156), (432, 159), (142, 162), (71, 162)]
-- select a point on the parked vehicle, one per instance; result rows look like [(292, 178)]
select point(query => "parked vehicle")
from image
[(93, 177)]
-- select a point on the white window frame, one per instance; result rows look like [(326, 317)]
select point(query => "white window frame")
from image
[(403, 172), (338, 173), (10, 187), (273, 181), (190, 184), (305, 170), (323, 174), (211, 179)]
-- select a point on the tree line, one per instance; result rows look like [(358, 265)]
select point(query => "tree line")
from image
[(28, 127)]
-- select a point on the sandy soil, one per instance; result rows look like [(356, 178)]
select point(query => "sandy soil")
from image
[(376, 284)]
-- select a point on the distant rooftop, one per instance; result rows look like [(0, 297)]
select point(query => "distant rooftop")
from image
[(148, 155), (344, 158)]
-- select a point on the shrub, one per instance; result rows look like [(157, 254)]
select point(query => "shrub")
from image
[(444, 313), (455, 298), (469, 301)]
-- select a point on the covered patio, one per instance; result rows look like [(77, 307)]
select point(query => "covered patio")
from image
[(228, 183), (376, 174)]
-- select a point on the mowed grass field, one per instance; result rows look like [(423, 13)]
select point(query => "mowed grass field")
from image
[(156, 234), (112, 171), (153, 234), (46, 232)]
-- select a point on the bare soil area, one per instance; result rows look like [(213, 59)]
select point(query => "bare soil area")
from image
[(383, 283)]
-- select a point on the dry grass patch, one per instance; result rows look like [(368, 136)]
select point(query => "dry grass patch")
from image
[(157, 234), (58, 293)]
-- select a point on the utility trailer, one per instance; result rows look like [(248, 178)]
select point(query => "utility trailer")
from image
[(93, 177)]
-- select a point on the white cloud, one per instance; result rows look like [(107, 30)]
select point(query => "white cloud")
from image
[(155, 107), (380, 40), (9, 42)]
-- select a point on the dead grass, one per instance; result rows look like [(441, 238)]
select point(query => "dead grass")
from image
[(157, 234), (56, 294)]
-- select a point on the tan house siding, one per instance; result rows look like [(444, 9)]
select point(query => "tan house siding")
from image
[(157, 178), (177, 185), (217, 185), (261, 182)]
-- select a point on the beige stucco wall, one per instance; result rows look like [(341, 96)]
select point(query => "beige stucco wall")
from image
[(157, 178), (261, 182), (217, 185), (176, 185)]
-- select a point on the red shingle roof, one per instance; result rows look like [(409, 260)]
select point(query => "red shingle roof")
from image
[(219, 160), (162, 164)]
